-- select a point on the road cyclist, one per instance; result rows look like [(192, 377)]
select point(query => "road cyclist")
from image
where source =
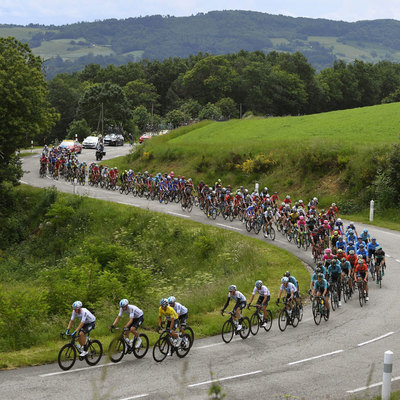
[(240, 303), (264, 297)]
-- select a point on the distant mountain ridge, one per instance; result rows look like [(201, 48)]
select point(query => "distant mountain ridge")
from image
[(112, 41)]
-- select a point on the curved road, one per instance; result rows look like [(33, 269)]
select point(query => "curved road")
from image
[(335, 360)]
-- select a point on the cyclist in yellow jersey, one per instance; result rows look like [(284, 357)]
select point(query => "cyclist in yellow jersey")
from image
[(172, 320)]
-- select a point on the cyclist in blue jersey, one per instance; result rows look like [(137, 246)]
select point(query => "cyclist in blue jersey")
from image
[(321, 288), (335, 273), (365, 236)]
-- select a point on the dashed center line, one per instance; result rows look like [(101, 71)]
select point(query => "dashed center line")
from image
[(315, 357), (138, 396), (225, 379), (374, 340)]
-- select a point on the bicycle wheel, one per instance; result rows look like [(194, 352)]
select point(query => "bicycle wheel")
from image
[(345, 291), (95, 351), (67, 357), (116, 350), (245, 331), (304, 243), (254, 323), (214, 213), (161, 349), (189, 331), (227, 331), (257, 227), (299, 241), (333, 304), (272, 233), (248, 226), (295, 316), (283, 320), (183, 349), (190, 206), (268, 321), (326, 313), (141, 351), (316, 312), (361, 296), (289, 237)]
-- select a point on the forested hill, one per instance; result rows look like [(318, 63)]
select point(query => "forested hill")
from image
[(69, 47)]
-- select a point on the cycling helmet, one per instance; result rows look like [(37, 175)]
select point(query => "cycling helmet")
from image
[(326, 221), (379, 248), (339, 220), (362, 245), (287, 273), (285, 279), (300, 201), (360, 261), (335, 233), (365, 230), (320, 276), (288, 197), (171, 299), (301, 217), (318, 270), (334, 257), (340, 251), (123, 303), (351, 243), (163, 302), (333, 204), (350, 231), (373, 239), (327, 251), (232, 288), (77, 304), (258, 284)]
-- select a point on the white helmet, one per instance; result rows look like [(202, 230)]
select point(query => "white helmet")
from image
[(77, 304), (123, 303)]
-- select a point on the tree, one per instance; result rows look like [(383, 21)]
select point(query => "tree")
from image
[(115, 105), (210, 79), (228, 108), (64, 93), (175, 118), (24, 108), (141, 93), (190, 109), (79, 129), (210, 111), (141, 118)]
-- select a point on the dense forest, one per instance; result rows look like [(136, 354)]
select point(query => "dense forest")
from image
[(150, 94), (69, 48)]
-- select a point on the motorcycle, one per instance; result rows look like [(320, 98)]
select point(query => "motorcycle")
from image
[(100, 154)]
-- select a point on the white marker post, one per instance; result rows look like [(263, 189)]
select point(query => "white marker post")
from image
[(371, 210), (75, 183), (31, 146), (387, 375), (257, 187)]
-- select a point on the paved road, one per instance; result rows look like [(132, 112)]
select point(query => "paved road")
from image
[(329, 361)]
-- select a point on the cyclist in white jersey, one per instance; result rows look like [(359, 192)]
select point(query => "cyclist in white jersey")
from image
[(263, 298), (290, 289), (182, 312), (135, 320), (86, 325), (240, 304)]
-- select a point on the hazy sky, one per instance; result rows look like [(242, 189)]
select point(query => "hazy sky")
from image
[(59, 12)]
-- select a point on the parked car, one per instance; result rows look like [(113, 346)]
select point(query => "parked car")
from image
[(114, 139), (90, 142), (72, 145), (144, 137)]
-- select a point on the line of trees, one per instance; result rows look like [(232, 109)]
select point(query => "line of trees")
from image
[(149, 94)]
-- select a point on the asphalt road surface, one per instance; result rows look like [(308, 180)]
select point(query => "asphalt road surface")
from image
[(341, 358)]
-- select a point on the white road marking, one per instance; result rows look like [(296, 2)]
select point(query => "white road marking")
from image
[(398, 261), (216, 344), (180, 215), (371, 386), (138, 396), (225, 379), (315, 357), (374, 340), (230, 227), (79, 369), (25, 183), (387, 255)]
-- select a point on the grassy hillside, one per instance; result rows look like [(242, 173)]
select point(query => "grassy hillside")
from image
[(333, 155), (61, 248)]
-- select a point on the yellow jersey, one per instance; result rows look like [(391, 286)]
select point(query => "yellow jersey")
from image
[(169, 312)]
